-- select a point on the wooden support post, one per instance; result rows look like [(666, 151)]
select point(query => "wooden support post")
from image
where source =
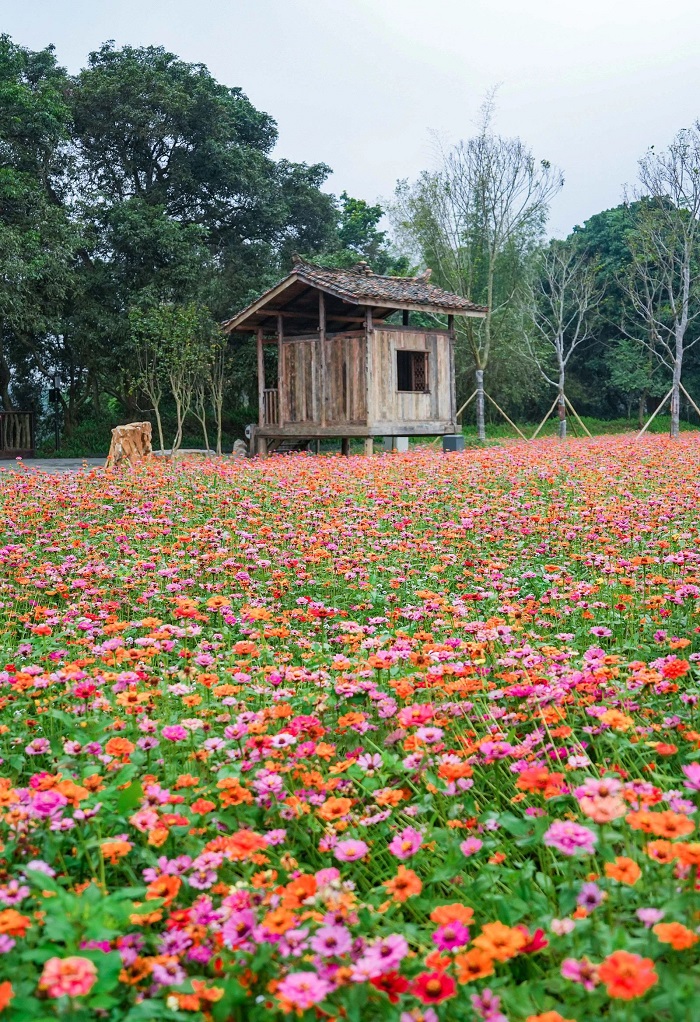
[(451, 365), (649, 421), (281, 411), (577, 417), (404, 318), (345, 446), (322, 359), (369, 447), (509, 421), (554, 405), (261, 379)]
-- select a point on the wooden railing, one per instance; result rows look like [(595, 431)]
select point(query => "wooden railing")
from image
[(16, 434), (271, 407)]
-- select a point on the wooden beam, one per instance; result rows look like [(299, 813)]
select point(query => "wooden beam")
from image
[(281, 378), (293, 314), (322, 354), (261, 378)]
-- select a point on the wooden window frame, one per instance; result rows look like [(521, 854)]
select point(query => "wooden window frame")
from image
[(416, 365)]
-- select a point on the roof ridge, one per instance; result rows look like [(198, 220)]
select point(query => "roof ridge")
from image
[(300, 262)]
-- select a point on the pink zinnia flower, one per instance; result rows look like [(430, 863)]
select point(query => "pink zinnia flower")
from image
[(331, 940), (569, 838), (406, 843), (303, 989), (649, 916), (350, 850), (692, 772), (69, 977), (583, 972), (471, 846)]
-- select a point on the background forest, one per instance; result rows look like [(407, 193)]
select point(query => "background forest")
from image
[(140, 205)]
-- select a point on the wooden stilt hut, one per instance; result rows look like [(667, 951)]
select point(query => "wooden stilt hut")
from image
[(343, 370)]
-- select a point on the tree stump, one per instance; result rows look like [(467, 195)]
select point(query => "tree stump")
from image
[(130, 443)]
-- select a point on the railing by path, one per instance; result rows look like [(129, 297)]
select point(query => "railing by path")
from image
[(271, 407), (16, 434)]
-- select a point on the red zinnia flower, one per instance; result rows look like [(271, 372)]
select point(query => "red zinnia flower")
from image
[(392, 984), (433, 987)]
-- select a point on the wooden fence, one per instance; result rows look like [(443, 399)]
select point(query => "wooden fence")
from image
[(16, 434)]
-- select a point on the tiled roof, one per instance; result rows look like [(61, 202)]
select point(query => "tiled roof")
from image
[(360, 284)]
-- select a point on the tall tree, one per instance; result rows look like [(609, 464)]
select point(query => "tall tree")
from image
[(563, 294), (663, 286), (36, 237), (483, 208), (180, 195)]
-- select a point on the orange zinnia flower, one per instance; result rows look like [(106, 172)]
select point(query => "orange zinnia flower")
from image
[(675, 934), (113, 851), (404, 885), (166, 887), (6, 994), (669, 824), (624, 870), (688, 854), (473, 964), (499, 941), (119, 747), (661, 851), (443, 915), (334, 808), (626, 975), (548, 1016)]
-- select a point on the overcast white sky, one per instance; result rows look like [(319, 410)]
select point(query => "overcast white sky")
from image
[(358, 84)]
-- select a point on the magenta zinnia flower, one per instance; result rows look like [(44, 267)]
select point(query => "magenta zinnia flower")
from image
[(450, 936), (174, 732)]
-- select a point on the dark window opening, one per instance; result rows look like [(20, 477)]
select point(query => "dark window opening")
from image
[(412, 371)]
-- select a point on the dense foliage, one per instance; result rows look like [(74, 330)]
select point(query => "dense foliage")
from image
[(410, 737), (142, 183)]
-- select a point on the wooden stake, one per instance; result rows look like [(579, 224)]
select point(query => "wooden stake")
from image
[(467, 402), (577, 417), (689, 398), (510, 421), (554, 405), (649, 421)]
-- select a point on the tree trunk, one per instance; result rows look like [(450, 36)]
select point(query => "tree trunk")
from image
[(676, 402), (480, 421), (5, 380), (561, 408), (642, 408), (156, 409), (676, 392)]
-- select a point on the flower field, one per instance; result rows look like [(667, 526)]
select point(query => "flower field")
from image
[(405, 738)]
